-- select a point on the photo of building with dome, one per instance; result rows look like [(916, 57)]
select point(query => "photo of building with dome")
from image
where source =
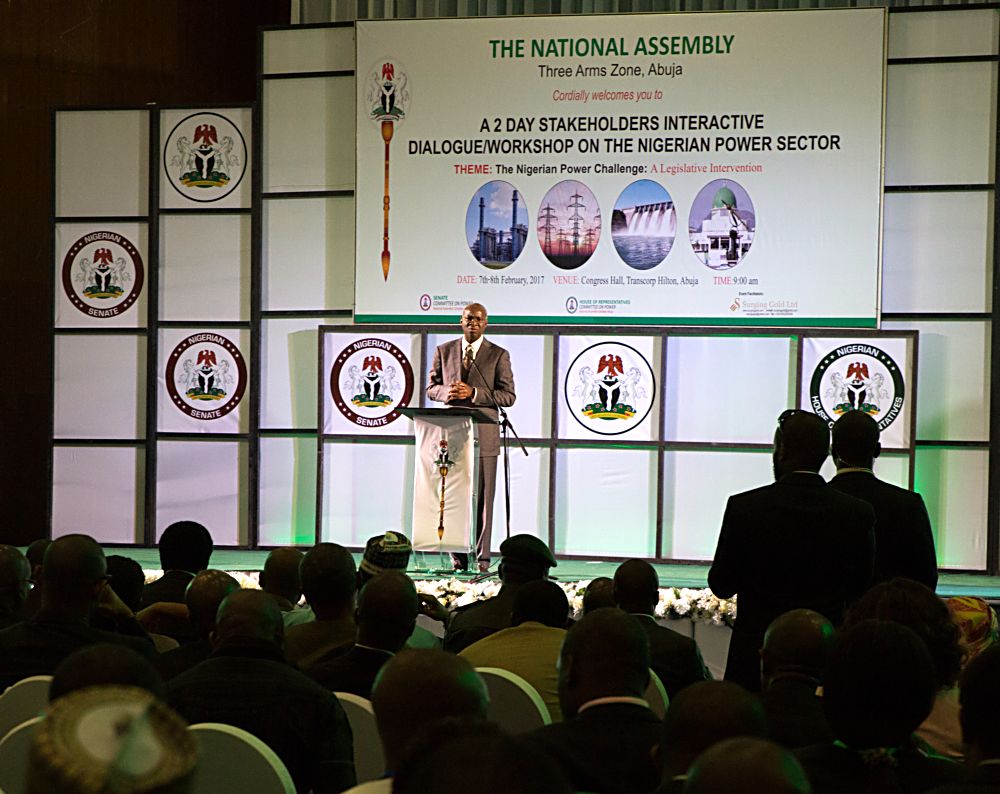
[(493, 228), (721, 224)]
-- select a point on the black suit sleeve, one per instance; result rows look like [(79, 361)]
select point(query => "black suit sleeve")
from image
[(724, 576), (924, 555)]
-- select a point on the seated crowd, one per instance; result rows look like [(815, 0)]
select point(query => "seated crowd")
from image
[(838, 679)]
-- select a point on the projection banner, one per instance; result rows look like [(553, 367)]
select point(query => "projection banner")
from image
[(690, 169)]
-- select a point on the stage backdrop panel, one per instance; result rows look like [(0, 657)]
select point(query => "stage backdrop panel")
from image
[(586, 196), (102, 163), (696, 485), (953, 483), (365, 378), (938, 252), (367, 490), (609, 388), (529, 496), (289, 352), (203, 376), (727, 389), (871, 374), (205, 267), (309, 50), (108, 507), (205, 158), (204, 481), (100, 275), (308, 254), (954, 389), (100, 387), (605, 502), (287, 491), (942, 33), (530, 358)]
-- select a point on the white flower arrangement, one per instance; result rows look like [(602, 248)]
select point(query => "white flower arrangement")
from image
[(702, 606)]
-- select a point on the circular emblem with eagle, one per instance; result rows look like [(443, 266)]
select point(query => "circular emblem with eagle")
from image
[(609, 388), (369, 380), (205, 157), (102, 274), (206, 376), (857, 377)]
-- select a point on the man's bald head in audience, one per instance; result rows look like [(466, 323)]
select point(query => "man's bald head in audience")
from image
[(74, 571), (749, 766), (798, 642), (329, 579), (387, 611), (248, 615), (417, 687), (702, 715), (203, 596), (637, 587), (281, 575), (599, 593), (15, 571), (605, 654)]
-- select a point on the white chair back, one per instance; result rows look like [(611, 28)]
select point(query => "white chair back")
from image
[(369, 759), (515, 705), (24, 700), (14, 749), (230, 759), (656, 695)]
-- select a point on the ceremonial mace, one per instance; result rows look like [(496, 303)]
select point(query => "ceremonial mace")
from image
[(387, 129), (388, 99), (444, 463)]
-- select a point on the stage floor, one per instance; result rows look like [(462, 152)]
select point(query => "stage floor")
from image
[(696, 576)]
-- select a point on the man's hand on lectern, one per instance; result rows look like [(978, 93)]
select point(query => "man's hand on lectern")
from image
[(459, 391)]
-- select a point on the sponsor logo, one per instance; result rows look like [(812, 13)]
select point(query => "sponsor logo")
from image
[(369, 380), (609, 388), (857, 377), (205, 157), (572, 305), (425, 302), (206, 376), (102, 274)]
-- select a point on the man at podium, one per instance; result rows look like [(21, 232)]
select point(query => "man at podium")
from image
[(474, 372)]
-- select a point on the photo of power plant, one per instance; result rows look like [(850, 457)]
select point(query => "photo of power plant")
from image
[(493, 225)]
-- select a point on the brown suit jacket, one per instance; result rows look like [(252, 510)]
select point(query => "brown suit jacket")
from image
[(491, 373)]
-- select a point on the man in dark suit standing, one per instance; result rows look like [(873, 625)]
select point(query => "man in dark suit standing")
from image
[(473, 372), (794, 544), (904, 543)]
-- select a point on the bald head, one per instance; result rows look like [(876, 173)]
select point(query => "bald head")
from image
[(329, 579), (856, 440), (797, 642), (704, 714), (417, 687), (105, 664), (387, 611), (605, 654), (14, 575), (281, 576), (203, 596), (801, 443), (36, 552), (750, 766), (637, 587), (599, 593), (73, 571), (248, 615)]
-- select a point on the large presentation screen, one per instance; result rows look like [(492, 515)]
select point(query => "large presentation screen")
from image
[(678, 169)]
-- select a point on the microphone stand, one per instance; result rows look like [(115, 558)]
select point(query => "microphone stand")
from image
[(506, 425)]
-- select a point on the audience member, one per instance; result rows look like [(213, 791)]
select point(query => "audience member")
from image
[(878, 687), (282, 580), (796, 648), (674, 657), (75, 582), (111, 738), (607, 740), (598, 594), (35, 554), (414, 689), (329, 581), (524, 558), (749, 766), (387, 611), (980, 699), (185, 548), (391, 552), (480, 758), (904, 543), (247, 683), (105, 665), (126, 578), (15, 583), (702, 715), (797, 543), (531, 647), (916, 607), (977, 624), (202, 598)]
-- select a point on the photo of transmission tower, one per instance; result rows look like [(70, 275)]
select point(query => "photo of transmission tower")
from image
[(569, 224)]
